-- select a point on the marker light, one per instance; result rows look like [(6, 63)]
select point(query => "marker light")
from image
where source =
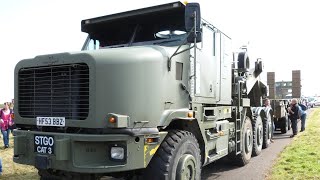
[(112, 120), (190, 114), (152, 140), (149, 140)]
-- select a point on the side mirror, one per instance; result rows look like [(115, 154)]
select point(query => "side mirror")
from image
[(192, 18)]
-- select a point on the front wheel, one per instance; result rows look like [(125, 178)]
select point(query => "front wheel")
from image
[(178, 158), (246, 142), (284, 127)]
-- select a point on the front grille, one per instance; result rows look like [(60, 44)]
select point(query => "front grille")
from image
[(54, 91)]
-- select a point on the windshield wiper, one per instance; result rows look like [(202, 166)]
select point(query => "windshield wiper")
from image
[(133, 35)]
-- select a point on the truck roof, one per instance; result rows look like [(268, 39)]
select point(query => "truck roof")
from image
[(122, 25)]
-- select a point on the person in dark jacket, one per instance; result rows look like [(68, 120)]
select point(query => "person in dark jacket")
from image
[(294, 116)]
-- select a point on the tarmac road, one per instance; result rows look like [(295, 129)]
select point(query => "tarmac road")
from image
[(257, 168)]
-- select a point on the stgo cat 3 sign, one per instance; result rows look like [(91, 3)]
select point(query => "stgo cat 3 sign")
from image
[(44, 144)]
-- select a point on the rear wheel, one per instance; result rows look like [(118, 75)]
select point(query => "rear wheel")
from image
[(267, 131), (247, 142), (178, 158), (257, 128), (284, 127), (289, 122)]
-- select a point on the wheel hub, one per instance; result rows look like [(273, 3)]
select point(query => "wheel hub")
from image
[(186, 168), (248, 138)]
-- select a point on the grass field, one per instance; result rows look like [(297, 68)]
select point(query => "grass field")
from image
[(301, 159), (11, 170)]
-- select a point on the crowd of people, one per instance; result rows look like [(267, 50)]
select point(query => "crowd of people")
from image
[(295, 111)]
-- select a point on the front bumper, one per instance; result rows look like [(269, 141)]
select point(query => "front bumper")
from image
[(84, 153)]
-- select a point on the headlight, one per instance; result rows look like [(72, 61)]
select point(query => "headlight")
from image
[(117, 153)]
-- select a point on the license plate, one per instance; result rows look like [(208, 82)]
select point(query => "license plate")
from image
[(44, 144), (51, 121)]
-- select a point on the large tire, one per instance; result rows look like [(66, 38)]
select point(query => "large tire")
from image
[(267, 131), (289, 123), (243, 61), (178, 158), (257, 128), (284, 127), (246, 142)]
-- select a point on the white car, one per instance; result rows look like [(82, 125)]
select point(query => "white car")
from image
[(313, 103)]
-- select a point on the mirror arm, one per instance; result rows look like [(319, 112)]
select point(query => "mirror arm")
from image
[(86, 42), (176, 52), (195, 28), (133, 35), (94, 44), (195, 50)]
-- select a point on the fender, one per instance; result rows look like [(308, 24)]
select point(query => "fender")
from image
[(268, 111), (173, 114), (260, 111), (180, 116)]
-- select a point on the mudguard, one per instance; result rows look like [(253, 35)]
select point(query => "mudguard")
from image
[(173, 114), (260, 111), (268, 111)]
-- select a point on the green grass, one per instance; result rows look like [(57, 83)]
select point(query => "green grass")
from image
[(14, 171), (301, 159)]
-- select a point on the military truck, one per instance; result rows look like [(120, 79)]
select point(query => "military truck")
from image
[(155, 93)]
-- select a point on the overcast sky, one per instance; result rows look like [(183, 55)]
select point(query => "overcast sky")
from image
[(285, 34)]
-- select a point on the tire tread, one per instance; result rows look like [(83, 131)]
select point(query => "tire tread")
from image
[(159, 165)]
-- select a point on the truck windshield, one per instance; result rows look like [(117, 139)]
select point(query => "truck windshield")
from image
[(164, 38), (162, 25)]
